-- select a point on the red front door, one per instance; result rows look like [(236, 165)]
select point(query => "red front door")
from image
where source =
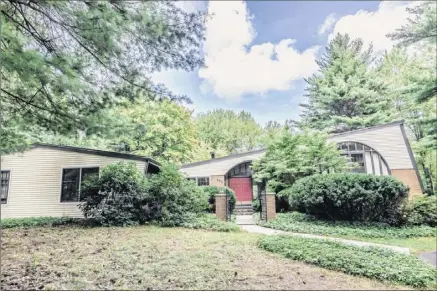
[(242, 186)]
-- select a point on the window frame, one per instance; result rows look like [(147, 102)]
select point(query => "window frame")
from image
[(204, 177), (80, 181), (9, 186)]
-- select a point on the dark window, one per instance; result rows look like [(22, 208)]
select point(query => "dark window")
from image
[(203, 181), (4, 186), (72, 179), (358, 160)]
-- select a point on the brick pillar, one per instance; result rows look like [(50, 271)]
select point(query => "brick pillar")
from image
[(220, 206), (271, 206)]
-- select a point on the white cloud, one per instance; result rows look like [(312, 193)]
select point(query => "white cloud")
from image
[(327, 24), (372, 27), (234, 67), (191, 6)]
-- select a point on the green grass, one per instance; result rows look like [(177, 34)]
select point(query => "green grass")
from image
[(301, 223), (156, 258), (415, 244), (371, 262), (39, 222)]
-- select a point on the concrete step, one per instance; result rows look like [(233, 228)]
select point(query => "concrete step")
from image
[(244, 220)]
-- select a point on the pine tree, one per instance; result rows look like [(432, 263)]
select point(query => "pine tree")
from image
[(345, 94)]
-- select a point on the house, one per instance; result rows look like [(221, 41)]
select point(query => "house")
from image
[(46, 179), (380, 150)]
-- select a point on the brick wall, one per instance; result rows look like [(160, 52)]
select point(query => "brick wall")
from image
[(220, 206)]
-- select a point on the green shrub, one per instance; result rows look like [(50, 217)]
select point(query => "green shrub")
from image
[(422, 210), (256, 205), (210, 222), (303, 223), (349, 197), (39, 222), (371, 262), (211, 191), (123, 196), (117, 197), (172, 198)]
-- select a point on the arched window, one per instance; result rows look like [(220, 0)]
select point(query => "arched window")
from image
[(241, 170), (365, 158)]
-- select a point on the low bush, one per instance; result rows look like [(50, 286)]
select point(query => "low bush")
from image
[(422, 210), (371, 262), (172, 198), (256, 205), (349, 197), (117, 197), (210, 222), (303, 223), (123, 196), (211, 191), (39, 222)]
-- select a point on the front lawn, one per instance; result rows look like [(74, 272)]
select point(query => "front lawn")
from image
[(418, 238), (149, 257)]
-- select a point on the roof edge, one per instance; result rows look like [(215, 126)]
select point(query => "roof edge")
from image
[(222, 158), (96, 152), (399, 122)]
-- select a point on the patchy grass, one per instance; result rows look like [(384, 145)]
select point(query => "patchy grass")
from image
[(302, 223), (40, 222), (371, 262), (415, 244), (150, 257)]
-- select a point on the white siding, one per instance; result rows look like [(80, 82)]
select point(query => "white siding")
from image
[(387, 140), (219, 166), (35, 181)]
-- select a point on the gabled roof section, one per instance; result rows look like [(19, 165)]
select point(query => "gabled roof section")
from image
[(400, 122), (96, 152), (222, 158)]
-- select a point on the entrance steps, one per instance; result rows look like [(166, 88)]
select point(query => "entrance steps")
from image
[(243, 209), (244, 220)]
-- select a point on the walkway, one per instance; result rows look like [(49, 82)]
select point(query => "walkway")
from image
[(268, 231), (429, 257)]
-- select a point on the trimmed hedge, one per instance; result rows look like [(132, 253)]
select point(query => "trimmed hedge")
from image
[(371, 262), (349, 197), (422, 210), (211, 191), (303, 223), (39, 222)]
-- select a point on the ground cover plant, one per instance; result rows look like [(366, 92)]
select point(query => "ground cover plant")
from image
[(210, 222), (371, 262), (349, 197), (39, 222), (303, 223), (155, 258)]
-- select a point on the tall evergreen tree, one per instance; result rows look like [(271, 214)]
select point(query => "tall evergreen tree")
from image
[(64, 60), (345, 94)]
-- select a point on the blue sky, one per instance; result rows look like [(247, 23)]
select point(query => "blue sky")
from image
[(257, 53)]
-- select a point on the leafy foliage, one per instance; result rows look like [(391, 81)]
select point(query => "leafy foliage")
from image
[(422, 210), (39, 222), (172, 198), (304, 223), (293, 156), (123, 196), (162, 130), (212, 191), (371, 262), (228, 131), (65, 60), (350, 197), (346, 94), (210, 222), (117, 197)]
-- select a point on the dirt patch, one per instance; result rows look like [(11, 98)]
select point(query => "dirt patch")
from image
[(151, 258)]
